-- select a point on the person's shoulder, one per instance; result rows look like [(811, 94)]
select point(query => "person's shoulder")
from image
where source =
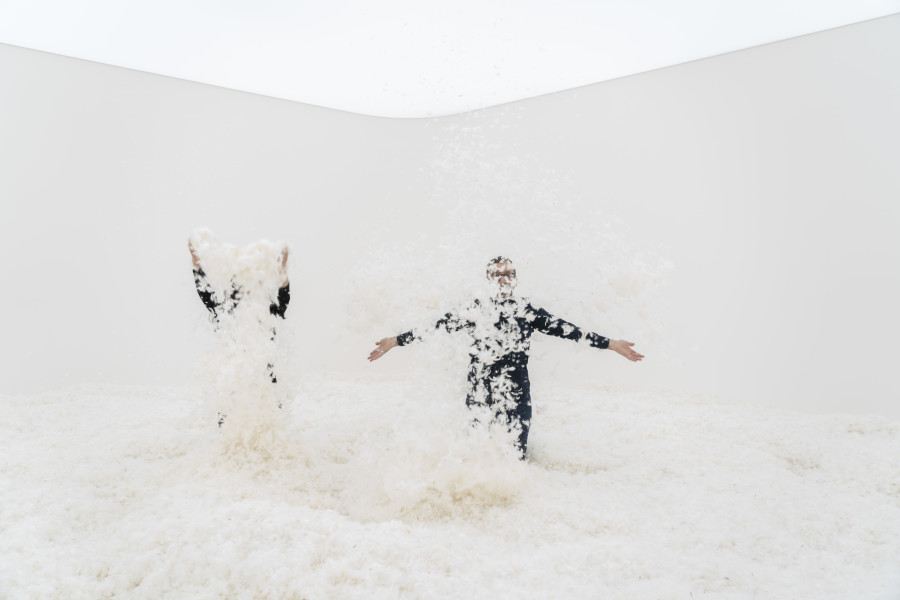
[(529, 308), (471, 310), (526, 303)]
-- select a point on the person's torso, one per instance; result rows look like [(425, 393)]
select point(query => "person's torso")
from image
[(500, 330)]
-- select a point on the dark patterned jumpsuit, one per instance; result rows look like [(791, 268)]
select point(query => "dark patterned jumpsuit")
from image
[(500, 330)]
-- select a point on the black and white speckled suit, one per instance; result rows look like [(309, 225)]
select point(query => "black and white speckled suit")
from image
[(500, 330), (232, 298)]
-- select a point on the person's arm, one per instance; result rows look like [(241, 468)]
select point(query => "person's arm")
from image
[(280, 305), (284, 258), (194, 257), (207, 295), (451, 322), (204, 290), (547, 324)]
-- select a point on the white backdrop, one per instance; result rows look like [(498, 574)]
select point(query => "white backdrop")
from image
[(737, 217)]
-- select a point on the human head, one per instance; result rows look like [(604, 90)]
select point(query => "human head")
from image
[(502, 273)]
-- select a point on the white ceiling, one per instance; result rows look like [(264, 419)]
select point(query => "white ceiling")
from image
[(412, 58)]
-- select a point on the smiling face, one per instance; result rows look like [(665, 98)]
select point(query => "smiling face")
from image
[(502, 275)]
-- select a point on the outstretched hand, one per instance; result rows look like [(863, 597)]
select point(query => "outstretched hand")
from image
[(624, 348), (382, 347)]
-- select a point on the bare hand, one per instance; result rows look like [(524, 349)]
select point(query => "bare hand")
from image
[(382, 347), (284, 259), (194, 256), (624, 348)]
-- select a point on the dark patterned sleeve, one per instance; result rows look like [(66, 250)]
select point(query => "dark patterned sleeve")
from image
[(279, 307), (547, 324), (204, 290), (450, 322)]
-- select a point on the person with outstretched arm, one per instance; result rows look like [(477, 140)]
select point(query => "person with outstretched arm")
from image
[(500, 330)]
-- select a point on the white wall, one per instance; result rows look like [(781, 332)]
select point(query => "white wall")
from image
[(767, 177)]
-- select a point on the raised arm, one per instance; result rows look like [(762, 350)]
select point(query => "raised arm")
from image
[(194, 257), (280, 305), (204, 290), (284, 258)]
